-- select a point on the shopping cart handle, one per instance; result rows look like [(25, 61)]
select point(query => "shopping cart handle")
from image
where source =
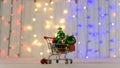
[(46, 37)]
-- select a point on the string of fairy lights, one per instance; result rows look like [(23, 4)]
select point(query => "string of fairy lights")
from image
[(47, 8), (105, 33)]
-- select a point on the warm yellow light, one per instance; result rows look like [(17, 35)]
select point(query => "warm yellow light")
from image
[(35, 9), (34, 19), (41, 53), (47, 22), (47, 26), (45, 9), (68, 0), (51, 9), (57, 26), (48, 51), (52, 2), (34, 35), (55, 34), (119, 3), (39, 44), (51, 17), (35, 42), (65, 11), (46, 4), (29, 49), (29, 27), (63, 27), (37, 5), (62, 20)]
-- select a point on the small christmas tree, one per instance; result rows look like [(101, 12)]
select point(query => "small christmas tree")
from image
[(61, 38)]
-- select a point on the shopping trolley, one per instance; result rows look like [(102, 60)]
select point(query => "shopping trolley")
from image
[(58, 50)]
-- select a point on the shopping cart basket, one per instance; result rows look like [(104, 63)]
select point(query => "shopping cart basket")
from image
[(58, 50)]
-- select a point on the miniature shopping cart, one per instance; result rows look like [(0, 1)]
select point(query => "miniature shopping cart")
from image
[(57, 51)]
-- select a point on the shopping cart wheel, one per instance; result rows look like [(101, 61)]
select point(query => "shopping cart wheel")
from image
[(66, 61), (49, 61), (57, 61), (71, 61)]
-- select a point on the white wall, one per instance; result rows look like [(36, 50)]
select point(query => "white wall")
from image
[(100, 41), (86, 45)]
